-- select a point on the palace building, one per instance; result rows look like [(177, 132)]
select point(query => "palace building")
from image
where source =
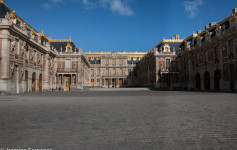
[(113, 69), (208, 59), (30, 61), (157, 68)]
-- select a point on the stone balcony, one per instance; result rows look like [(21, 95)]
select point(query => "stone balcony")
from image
[(66, 70)]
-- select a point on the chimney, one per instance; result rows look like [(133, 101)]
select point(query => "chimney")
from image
[(234, 11), (172, 38), (199, 31), (177, 36)]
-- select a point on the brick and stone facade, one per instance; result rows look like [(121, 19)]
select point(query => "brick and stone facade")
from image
[(32, 62), (208, 59)]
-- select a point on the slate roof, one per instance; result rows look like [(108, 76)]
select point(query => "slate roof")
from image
[(3, 10), (193, 40), (174, 46), (93, 61), (133, 61), (59, 45), (44, 40)]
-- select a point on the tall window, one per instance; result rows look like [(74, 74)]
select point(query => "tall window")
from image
[(167, 63), (68, 64), (120, 71), (106, 62), (98, 72), (114, 71), (121, 62), (129, 72), (92, 72), (107, 72), (231, 47), (113, 62), (216, 50)]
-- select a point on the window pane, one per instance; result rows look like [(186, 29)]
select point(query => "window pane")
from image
[(68, 64)]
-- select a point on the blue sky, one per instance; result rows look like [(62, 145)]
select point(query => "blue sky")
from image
[(120, 25)]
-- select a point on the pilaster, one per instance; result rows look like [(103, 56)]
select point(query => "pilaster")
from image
[(5, 62), (46, 73)]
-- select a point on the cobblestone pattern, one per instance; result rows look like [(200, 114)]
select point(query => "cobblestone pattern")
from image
[(134, 120)]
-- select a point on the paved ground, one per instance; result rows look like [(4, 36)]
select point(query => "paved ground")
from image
[(124, 120)]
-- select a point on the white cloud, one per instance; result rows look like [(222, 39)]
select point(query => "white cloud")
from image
[(89, 4), (51, 3), (191, 7), (85, 2), (117, 6)]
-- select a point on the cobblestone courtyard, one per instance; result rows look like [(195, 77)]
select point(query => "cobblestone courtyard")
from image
[(124, 120)]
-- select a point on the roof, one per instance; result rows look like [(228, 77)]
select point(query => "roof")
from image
[(3, 10), (62, 45), (174, 46), (93, 61), (134, 60)]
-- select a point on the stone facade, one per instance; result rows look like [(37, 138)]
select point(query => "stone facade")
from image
[(113, 70), (208, 59), (32, 62), (157, 68), (27, 65)]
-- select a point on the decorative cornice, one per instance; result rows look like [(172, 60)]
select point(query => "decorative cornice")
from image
[(172, 41), (60, 40)]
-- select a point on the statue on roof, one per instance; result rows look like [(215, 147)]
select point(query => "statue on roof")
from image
[(9, 17)]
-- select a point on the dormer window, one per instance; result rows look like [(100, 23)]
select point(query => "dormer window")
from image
[(166, 48), (68, 48)]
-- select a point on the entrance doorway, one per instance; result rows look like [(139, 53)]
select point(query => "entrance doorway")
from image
[(67, 83), (40, 83), (169, 81), (232, 77), (198, 82), (106, 83), (27, 81), (120, 83), (33, 82), (113, 83), (207, 81), (217, 77)]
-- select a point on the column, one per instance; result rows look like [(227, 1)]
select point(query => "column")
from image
[(103, 82), (110, 82), (63, 80), (117, 82), (46, 73), (5, 46), (190, 73), (212, 86), (220, 64), (157, 69), (79, 77)]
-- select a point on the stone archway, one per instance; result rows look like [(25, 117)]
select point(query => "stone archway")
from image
[(198, 81), (40, 83), (217, 77), (207, 81), (33, 85)]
